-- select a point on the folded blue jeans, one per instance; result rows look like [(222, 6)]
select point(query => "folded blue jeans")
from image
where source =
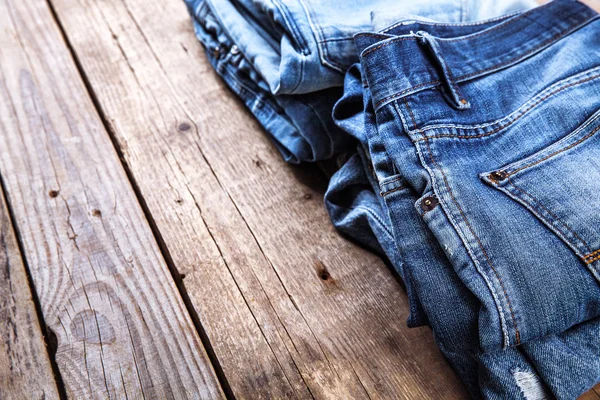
[(463, 128), (286, 59)]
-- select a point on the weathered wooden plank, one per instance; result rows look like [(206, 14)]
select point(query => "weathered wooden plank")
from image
[(106, 293), (591, 395), (25, 370), (292, 309)]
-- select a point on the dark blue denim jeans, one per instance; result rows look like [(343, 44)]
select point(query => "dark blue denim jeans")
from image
[(479, 170)]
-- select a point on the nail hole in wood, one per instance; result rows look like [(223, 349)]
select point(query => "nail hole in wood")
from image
[(322, 272), (53, 193)]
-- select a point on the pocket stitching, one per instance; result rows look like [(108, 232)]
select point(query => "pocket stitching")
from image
[(586, 137), (588, 262), (593, 254), (538, 202)]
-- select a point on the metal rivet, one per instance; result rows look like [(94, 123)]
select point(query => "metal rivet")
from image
[(217, 51), (429, 203), (498, 175), (235, 50)]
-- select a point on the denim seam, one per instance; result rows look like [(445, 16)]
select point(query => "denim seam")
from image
[(396, 179), (375, 35), (342, 39), (298, 38), (484, 32), (293, 27), (448, 70), (456, 24), (400, 94), (508, 121), (476, 73), (501, 25), (595, 253), (569, 147), (391, 41), (557, 219), (320, 38), (554, 38), (215, 14), (589, 262), (561, 85), (412, 116), (480, 244), (257, 97), (464, 15), (383, 194), (490, 285)]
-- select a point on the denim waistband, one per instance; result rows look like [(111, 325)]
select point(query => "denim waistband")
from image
[(397, 66)]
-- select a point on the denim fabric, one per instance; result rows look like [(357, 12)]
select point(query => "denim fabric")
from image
[(286, 59), (481, 140), (475, 172)]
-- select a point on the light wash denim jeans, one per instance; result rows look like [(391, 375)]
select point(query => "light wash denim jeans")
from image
[(480, 142), (286, 59)]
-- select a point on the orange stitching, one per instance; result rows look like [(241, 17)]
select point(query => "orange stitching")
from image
[(520, 115), (558, 152), (552, 214), (512, 314), (393, 190), (411, 114), (588, 262), (597, 252)]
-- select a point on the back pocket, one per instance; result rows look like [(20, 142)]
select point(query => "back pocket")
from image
[(560, 185)]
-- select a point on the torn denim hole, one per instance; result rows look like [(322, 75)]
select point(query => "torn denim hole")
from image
[(531, 385)]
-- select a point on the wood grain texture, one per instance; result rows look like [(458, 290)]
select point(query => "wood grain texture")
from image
[(591, 395), (25, 370), (106, 293), (292, 310)]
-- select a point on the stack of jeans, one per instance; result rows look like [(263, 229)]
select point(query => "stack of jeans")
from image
[(469, 156)]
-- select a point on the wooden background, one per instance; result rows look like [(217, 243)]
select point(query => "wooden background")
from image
[(172, 253)]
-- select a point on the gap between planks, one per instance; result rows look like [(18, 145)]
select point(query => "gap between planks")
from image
[(103, 287), (223, 201)]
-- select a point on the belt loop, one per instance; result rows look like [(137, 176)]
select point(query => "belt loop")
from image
[(457, 99)]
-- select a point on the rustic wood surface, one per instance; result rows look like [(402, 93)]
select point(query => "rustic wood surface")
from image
[(25, 370), (288, 308), (116, 321), (291, 309)]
